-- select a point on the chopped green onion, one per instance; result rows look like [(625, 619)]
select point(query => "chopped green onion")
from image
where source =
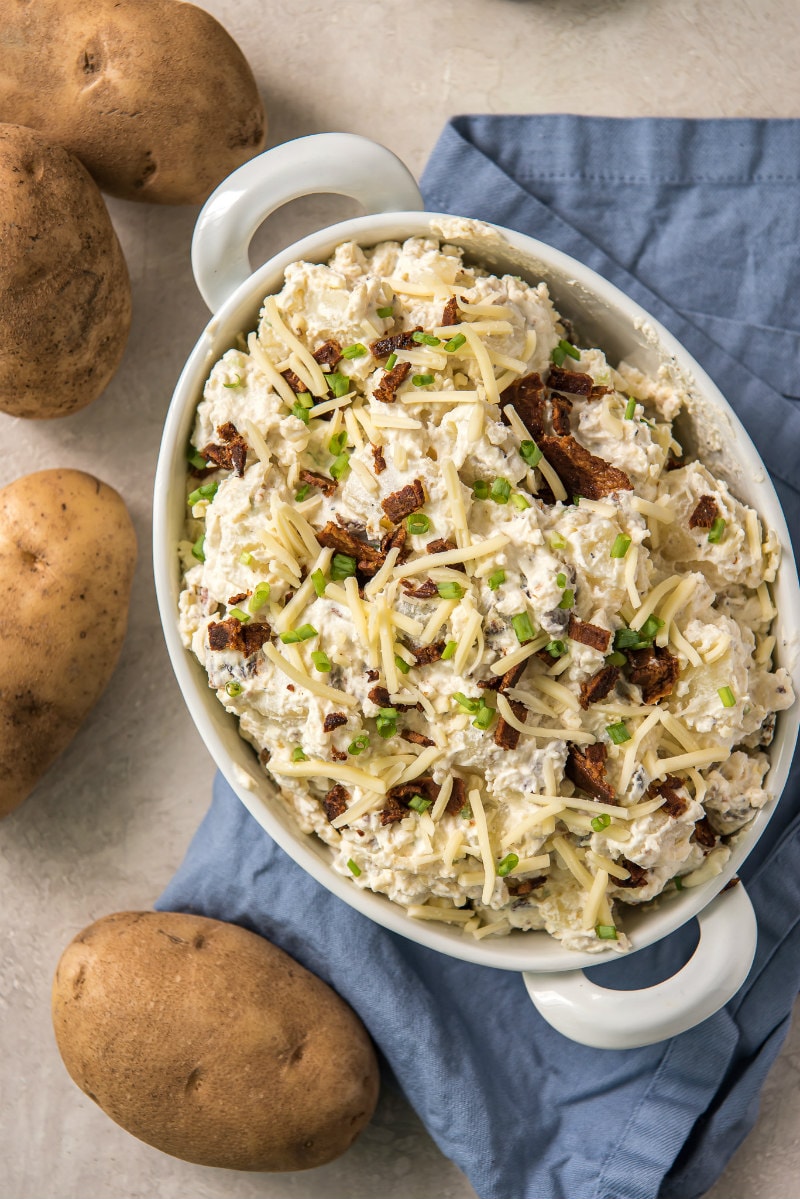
[(558, 355), (466, 812), (556, 541), (422, 380), (206, 492), (717, 529), (450, 590), (337, 443), (568, 598), (353, 868), (484, 717), (449, 650), (530, 453), (233, 689), (601, 822), (426, 339), (298, 755), (520, 501), (340, 466), (495, 580), (259, 597), (500, 491), (569, 348), (239, 615), (576, 499), (302, 492), (472, 705), (357, 350), (618, 732), (198, 549), (305, 398), (651, 627), (386, 722), (480, 489), (391, 362), (606, 932), (246, 558), (509, 863), (319, 581), (305, 633), (300, 411), (556, 649), (196, 459), (401, 664), (621, 546), (678, 881), (629, 639), (616, 659), (630, 408), (561, 580), (321, 661), (237, 382), (387, 310), (521, 624), (455, 343), (727, 697), (342, 566), (358, 745), (418, 522), (419, 803), (338, 383)]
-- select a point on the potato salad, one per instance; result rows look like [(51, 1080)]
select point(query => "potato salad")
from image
[(494, 638)]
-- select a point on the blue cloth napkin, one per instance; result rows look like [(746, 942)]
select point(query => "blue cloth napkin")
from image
[(699, 222)]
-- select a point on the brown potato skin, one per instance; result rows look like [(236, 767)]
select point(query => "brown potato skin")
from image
[(65, 297), (154, 96), (211, 1044), (67, 554)]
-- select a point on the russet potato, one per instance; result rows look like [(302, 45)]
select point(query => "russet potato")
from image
[(154, 96), (67, 553), (210, 1043)]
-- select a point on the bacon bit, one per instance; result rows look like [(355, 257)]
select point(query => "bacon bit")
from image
[(426, 590), (733, 882), (380, 461), (450, 314), (232, 634), (458, 797), (232, 454), (598, 392), (397, 797), (491, 684), (705, 513), (338, 755), (238, 599), (386, 390), (264, 756), (527, 396), (704, 834), (599, 685), (582, 473), (336, 801), (417, 738), (561, 408), (381, 698), (673, 461), (402, 503), (295, 382), (504, 735), (428, 653), (385, 346), (638, 874), (327, 486), (334, 720), (655, 671), (373, 676), (586, 767), (575, 382), (512, 677), (675, 804), (589, 634), (523, 886), (440, 546), (328, 354), (395, 540), (368, 559)]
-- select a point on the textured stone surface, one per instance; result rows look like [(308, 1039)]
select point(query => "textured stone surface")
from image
[(110, 821)]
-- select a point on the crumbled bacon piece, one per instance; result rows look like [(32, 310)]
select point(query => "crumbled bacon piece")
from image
[(458, 797), (450, 314), (574, 382), (417, 738), (233, 600), (598, 391), (599, 685), (527, 396), (561, 409), (704, 834), (674, 804), (655, 671), (336, 801), (232, 453), (327, 486), (378, 458), (638, 874), (264, 756), (373, 676), (426, 654), (295, 382), (396, 539), (334, 720), (440, 546), (705, 513), (589, 634), (328, 354), (505, 735), (426, 590), (386, 390), (385, 346), (381, 698), (503, 682), (368, 559), (582, 473), (586, 767), (232, 634), (524, 886), (673, 461), (397, 798), (402, 503)]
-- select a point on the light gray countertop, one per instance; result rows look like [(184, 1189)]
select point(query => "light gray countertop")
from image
[(109, 823)]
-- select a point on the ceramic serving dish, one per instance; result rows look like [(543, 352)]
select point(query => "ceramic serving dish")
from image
[(355, 167)]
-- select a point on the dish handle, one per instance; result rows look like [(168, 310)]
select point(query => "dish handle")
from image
[(605, 1019), (342, 163)]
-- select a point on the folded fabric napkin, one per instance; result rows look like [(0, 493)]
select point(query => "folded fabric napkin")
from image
[(699, 221)]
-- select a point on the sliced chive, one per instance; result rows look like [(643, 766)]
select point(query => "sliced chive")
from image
[(305, 399), (387, 310), (342, 566), (298, 755), (606, 932), (386, 722), (246, 558), (321, 661), (306, 632), (426, 339), (678, 881), (354, 869), (618, 732), (717, 529), (727, 697), (239, 615), (509, 863), (419, 803), (630, 408), (530, 453), (616, 659), (259, 597), (621, 546), (500, 491), (302, 492), (472, 705), (300, 412), (561, 580), (319, 581), (237, 382), (494, 581), (450, 590), (567, 599), (401, 664), (601, 822), (340, 466), (196, 459), (206, 492), (338, 383), (629, 639), (651, 627), (556, 541), (521, 624), (520, 501), (556, 649), (357, 350), (569, 349), (358, 745), (391, 362), (558, 355), (198, 549), (418, 522), (449, 650), (480, 489), (422, 380), (484, 717), (234, 689), (337, 443), (466, 812), (455, 343)]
